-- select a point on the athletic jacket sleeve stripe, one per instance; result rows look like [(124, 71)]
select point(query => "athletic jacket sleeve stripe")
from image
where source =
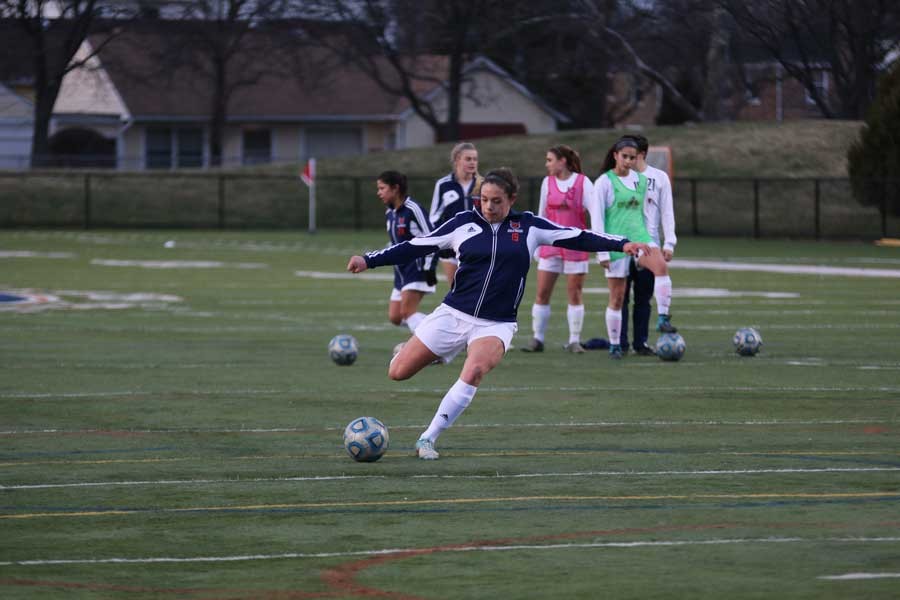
[(404, 252), (544, 232)]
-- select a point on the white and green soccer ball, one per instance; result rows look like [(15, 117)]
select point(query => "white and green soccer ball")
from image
[(343, 349), (747, 341), (670, 346), (366, 439)]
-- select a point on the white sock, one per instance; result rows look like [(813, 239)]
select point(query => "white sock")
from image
[(455, 401), (662, 291), (540, 315), (575, 314), (413, 321), (613, 325)]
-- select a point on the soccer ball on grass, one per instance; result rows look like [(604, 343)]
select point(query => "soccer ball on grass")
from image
[(747, 341), (366, 439), (343, 349), (670, 346)]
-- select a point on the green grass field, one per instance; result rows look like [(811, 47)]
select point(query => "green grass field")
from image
[(176, 432)]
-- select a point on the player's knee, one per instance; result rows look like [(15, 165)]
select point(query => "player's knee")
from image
[(396, 319), (397, 373)]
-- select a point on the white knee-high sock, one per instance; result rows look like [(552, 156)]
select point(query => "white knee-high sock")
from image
[(613, 325), (575, 314), (413, 320), (540, 315), (662, 291), (455, 401)]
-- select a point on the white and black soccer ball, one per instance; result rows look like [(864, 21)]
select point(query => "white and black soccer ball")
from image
[(670, 346), (747, 341), (343, 349), (366, 439)]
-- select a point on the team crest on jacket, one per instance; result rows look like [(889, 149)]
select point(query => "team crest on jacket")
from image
[(515, 227), (401, 226)]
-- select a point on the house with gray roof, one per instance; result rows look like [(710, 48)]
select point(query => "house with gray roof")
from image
[(154, 118)]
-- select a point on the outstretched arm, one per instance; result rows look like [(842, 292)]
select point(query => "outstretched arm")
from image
[(407, 251), (357, 264), (545, 232)]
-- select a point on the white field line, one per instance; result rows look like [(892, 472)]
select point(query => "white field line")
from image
[(175, 264), (32, 254), (563, 424), (686, 292), (489, 389), (415, 551), (856, 576), (340, 275), (352, 478), (710, 265), (784, 269)]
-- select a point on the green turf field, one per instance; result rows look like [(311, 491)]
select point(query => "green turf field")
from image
[(170, 427)]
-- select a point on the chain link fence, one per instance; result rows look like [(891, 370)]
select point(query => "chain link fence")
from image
[(804, 208)]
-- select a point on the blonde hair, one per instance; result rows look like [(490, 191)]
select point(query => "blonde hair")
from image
[(459, 149)]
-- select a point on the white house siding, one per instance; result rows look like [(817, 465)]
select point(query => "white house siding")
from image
[(16, 124), (498, 102), (131, 148), (89, 93)]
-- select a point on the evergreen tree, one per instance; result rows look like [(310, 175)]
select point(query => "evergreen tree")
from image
[(874, 159)]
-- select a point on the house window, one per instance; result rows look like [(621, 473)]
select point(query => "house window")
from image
[(179, 147), (159, 148), (820, 81), (257, 146), (190, 147), (333, 142)]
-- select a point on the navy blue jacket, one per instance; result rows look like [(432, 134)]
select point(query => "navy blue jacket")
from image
[(403, 223), (493, 262), (450, 198)]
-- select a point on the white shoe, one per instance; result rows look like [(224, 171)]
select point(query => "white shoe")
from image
[(425, 450)]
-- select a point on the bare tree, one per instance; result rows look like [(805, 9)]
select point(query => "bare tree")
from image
[(622, 37), (225, 46), (394, 43), (55, 30), (850, 39)]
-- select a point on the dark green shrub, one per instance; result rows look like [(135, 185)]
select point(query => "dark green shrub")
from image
[(873, 161)]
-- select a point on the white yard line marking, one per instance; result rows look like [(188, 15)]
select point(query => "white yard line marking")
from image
[(784, 269), (709, 293), (176, 264), (689, 264), (31, 254), (352, 478), (564, 424), (414, 551), (854, 576), (491, 389), (339, 275)]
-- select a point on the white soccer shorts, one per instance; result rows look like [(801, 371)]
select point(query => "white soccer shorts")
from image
[(556, 264), (447, 331), (419, 286), (619, 268)]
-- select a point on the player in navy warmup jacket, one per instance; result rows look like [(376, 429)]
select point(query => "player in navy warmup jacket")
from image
[(494, 247), (453, 193), (405, 220)]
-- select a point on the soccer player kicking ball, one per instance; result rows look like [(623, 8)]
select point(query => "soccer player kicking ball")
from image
[(495, 247)]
